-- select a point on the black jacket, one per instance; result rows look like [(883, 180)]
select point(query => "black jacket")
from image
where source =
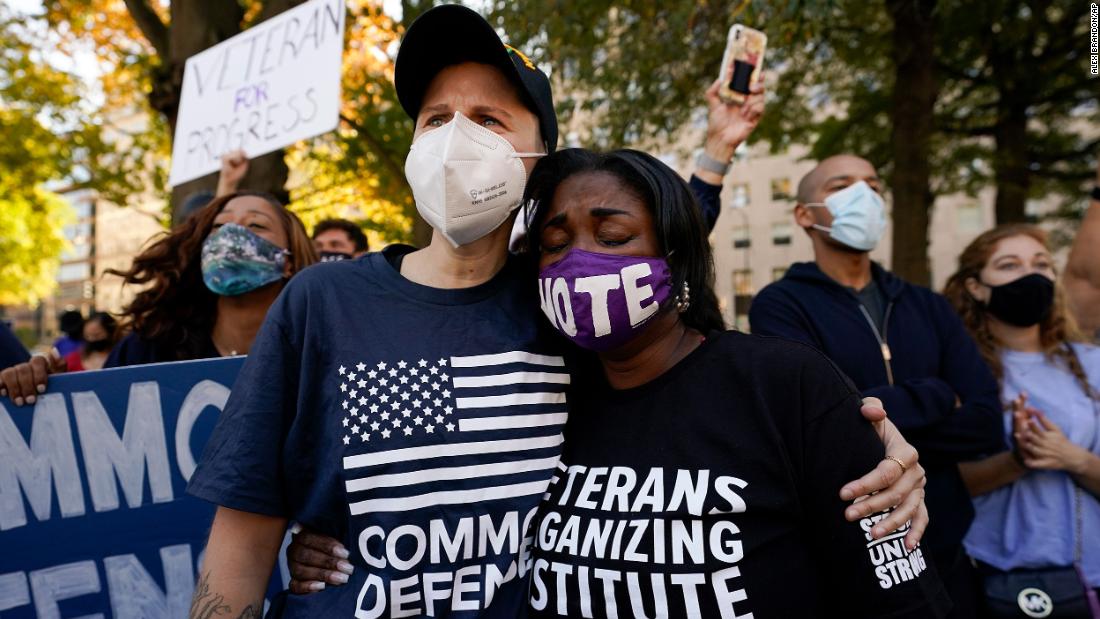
[(925, 368)]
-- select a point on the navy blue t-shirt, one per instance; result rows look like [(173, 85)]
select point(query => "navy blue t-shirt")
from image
[(418, 426), (12, 351)]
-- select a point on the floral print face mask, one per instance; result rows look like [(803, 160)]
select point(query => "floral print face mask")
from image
[(235, 261)]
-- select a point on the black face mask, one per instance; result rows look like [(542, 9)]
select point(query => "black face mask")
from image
[(335, 256), (97, 345), (1022, 302)]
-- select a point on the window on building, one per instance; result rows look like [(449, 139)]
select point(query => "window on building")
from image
[(778, 273), (781, 233), (740, 195), (78, 251), (79, 233), (781, 189), (741, 238), (82, 208), (742, 297), (742, 282), (74, 271)]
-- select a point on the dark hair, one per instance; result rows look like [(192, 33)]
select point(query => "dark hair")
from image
[(194, 203), (354, 232), (71, 324), (176, 311), (678, 219), (106, 321)]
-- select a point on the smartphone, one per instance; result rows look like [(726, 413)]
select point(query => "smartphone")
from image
[(741, 63)]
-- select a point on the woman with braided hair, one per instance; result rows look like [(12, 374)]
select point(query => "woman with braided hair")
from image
[(1037, 526)]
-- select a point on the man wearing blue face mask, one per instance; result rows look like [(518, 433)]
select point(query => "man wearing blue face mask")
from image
[(898, 342)]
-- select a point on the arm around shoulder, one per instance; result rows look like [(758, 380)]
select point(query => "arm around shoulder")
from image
[(872, 577)]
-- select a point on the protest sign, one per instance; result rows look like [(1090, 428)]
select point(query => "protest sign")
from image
[(273, 84), (94, 519)]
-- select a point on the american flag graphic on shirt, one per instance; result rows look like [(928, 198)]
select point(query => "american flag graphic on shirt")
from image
[(409, 425)]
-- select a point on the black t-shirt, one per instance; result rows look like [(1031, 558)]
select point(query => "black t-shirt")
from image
[(136, 350), (872, 298), (713, 491)]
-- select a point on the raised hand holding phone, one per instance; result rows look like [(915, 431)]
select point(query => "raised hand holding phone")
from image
[(735, 102), (741, 63)]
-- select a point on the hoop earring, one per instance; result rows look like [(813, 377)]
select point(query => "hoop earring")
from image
[(683, 298)]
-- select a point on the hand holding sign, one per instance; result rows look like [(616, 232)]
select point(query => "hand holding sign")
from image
[(22, 382), (94, 519)]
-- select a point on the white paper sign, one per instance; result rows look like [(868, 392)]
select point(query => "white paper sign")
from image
[(270, 86)]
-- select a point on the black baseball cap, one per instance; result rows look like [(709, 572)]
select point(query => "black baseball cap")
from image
[(450, 34)]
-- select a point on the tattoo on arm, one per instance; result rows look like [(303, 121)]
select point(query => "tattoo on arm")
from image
[(206, 604)]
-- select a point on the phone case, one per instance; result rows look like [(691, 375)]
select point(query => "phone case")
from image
[(741, 63)]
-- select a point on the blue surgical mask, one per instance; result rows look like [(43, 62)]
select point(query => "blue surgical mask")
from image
[(859, 216), (235, 261)]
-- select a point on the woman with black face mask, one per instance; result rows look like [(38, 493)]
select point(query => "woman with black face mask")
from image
[(1036, 534), (99, 337)]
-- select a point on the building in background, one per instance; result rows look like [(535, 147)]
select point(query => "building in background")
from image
[(122, 232), (102, 236)]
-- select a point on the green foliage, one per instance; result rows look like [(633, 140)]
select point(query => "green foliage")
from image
[(37, 104), (357, 169), (127, 144), (633, 72), (31, 242)]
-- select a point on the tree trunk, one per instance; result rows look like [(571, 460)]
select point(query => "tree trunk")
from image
[(1010, 168), (1010, 164), (915, 92), (410, 10)]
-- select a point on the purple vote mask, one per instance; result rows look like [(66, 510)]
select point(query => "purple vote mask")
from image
[(602, 301)]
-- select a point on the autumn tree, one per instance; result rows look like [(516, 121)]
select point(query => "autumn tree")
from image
[(36, 103), (147, 45), (374, 135), (358, 171), (142, 47)]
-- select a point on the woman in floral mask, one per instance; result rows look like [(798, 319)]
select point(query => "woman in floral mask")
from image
[(210, 282)]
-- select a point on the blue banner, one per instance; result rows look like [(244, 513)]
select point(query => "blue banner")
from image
[(94, 518)]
